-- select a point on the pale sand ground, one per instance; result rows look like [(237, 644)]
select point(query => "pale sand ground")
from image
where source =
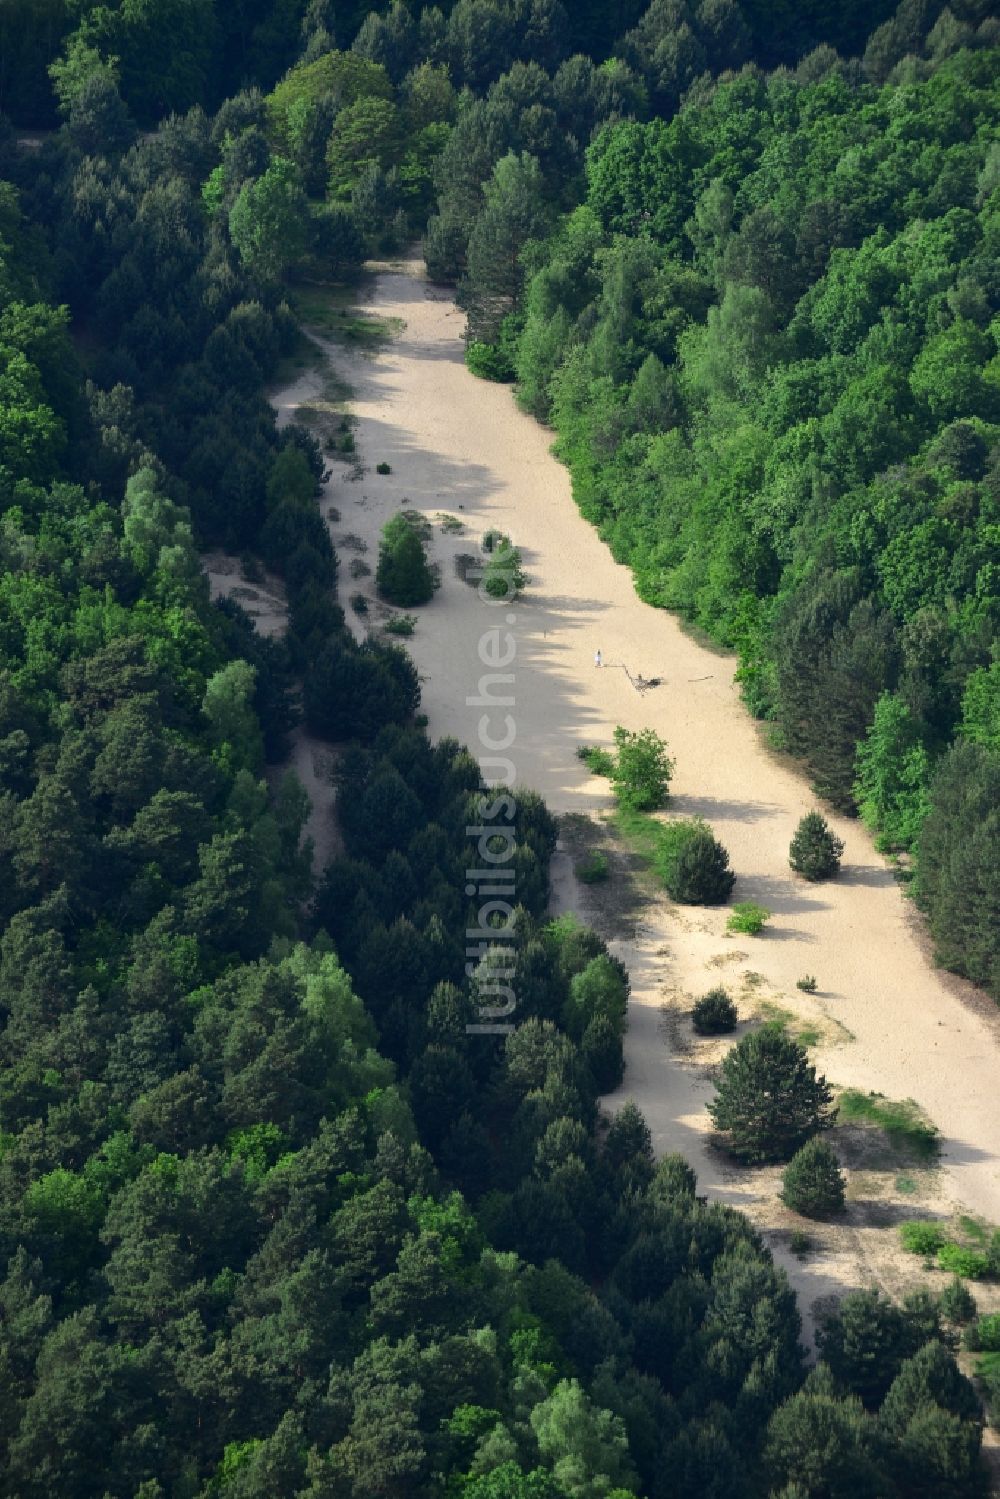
[(459, 446)]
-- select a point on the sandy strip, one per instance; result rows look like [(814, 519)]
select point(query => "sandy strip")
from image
[(459, 445)]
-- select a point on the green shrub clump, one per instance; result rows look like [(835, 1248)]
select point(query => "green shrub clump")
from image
[(600, 762), (813, 1183), (403, 575), (920, 1237), (769, 1100), (714, 1014), (971, 1264), (957, 1303), (383, 468), (400, 624), (642, 770), (984, 1334), (815, 850), (489, 362), (693, 865), (504, 577), (748, 918), (593, 867)]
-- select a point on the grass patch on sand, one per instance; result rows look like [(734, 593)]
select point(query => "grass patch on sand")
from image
[(903, 1123), (332, 310), (974, 1229), (644, 835), (805, 1032)]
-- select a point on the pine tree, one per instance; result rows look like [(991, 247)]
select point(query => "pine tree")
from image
[(812, 1183), (514, 213), (701, 875), (769, 1099), (403, 575), (815, 850)]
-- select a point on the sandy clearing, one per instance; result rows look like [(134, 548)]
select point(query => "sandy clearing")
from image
[(458, 446)]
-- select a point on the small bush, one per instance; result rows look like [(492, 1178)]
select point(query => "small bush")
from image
[(333, 515), (969, 1263), (813, 1183), (359, 603), (806, 984), (451, 524), (503, 576), (984, 1334), (600, 762), (251, 569), (358, 568), (493, 539), (489, 362), (642, 770), (747, 918), (383, 468), (714, 1014), (593, 867), (799, 1242), (958, 1305), (346, 444), (815, 850), (400, 624), (918, 1236), (693, 865)]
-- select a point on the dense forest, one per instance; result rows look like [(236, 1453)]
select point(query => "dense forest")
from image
[(272, 1221), (766, 336)]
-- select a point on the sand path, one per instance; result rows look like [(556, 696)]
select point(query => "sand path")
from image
[(459, 445)]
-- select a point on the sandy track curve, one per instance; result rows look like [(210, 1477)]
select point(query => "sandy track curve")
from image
[(459, 445)]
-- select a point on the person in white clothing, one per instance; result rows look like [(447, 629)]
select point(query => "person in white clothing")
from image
[(597, 659)]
